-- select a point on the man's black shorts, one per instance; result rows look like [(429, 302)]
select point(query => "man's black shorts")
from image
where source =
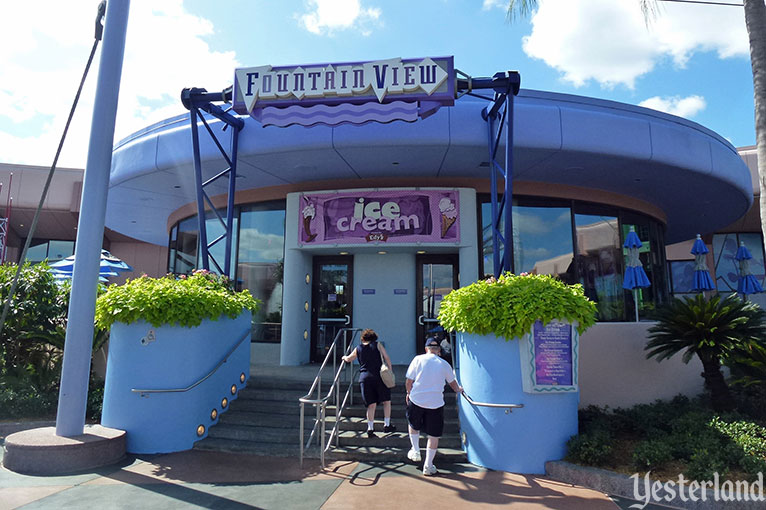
[(430, 421)]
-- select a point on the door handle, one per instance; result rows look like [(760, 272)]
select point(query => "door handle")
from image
[(420, 320), (348, 320)]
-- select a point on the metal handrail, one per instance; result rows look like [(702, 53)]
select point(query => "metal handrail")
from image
[(245, 335), (510, 407), (321, 402)]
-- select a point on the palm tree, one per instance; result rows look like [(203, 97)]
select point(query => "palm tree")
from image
[(755, 22), (713, 330)]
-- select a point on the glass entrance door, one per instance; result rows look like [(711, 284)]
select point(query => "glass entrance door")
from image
[(437, 276), (332, 300)]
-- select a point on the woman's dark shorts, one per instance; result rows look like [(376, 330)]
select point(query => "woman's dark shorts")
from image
[(373, 389), (430, 421)]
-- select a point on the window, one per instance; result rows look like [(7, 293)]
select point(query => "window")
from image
[(51, 250), (260, 265), (582, 242), (726, 268), (599, 263)]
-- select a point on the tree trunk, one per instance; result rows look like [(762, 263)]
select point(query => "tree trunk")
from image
[(720, 397), (755, 20)]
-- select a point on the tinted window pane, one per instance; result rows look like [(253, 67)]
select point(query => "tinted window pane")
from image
[(599, 258), (726, 267), (37, 252), (58, 250), (185, 247), (681, 276), (260, 265), (542, 241)]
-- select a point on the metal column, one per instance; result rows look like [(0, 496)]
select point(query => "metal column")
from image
[(194, 100)]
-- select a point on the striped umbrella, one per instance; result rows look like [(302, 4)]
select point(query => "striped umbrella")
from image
[(635, 276), (702, 279)]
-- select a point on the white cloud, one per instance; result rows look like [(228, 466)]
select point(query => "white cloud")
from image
[(494, 4), (330, 16), (41, 64), (608, 40), (682, 106)]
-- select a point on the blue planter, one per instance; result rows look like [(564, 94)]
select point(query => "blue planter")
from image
[(143, 357), (520, 441)]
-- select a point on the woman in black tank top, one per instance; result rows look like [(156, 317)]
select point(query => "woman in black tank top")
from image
[(373, 391)]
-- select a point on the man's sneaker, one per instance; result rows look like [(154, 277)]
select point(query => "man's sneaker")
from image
[(371, 433), (430, 470), (389, 428), (414, 455)]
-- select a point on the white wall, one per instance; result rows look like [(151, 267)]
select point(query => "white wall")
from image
[(392, 316), (614, 370)]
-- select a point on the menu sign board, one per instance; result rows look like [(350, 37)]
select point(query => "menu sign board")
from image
[(549, 358)]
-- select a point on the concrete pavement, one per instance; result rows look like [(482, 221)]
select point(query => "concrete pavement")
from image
[(201, 479)]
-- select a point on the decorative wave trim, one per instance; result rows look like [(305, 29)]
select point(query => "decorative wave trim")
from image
[(337, 115)]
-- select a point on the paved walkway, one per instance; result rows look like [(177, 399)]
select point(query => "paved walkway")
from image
[(199, 479)]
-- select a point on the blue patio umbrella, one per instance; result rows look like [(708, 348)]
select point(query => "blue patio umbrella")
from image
[(702, 279), (747, 283), (109, 265), (635, 276)]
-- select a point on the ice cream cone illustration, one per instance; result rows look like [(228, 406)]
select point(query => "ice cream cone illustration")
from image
[(309, 212), (449, 214)]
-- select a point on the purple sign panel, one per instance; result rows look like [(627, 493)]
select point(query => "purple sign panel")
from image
[(553, 354), (392, 216), (382, 81)]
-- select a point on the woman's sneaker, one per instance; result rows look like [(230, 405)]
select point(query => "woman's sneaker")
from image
[(430, 470), (414, 455), (389, 428)]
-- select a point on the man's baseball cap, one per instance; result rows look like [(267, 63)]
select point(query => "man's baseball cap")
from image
[(432, 342)]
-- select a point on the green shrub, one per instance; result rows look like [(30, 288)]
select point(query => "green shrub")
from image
[(704, 463), (651, 454), (185, 301), (509, 306), (592, 448), (749, 436)]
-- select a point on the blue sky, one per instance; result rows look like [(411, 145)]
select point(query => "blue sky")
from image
[(692, 61)]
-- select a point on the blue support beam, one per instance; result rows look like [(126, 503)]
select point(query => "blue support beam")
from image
[(499, 117), (197, 100)]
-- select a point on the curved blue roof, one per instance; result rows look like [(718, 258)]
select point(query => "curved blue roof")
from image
[(691, 173)]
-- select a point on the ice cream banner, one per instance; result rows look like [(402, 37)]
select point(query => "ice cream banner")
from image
[(391, 216)]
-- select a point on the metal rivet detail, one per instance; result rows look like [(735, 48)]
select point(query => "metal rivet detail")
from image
[(233, 389), (242, 377), (224, 403), (214, 414), (201, 430)]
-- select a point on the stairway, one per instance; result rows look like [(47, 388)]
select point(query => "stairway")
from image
[(264, 420)]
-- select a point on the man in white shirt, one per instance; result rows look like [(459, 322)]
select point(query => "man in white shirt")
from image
[(425, 381)]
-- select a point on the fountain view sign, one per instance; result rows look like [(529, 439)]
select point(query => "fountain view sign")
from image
[(391, 216), (381, 81)]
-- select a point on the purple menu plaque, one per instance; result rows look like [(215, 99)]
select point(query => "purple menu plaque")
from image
[(553, 354)]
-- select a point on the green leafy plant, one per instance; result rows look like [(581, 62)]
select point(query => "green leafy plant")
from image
[(713, 330), (509, 305), (183, 301), (592, 448), (651, 454)]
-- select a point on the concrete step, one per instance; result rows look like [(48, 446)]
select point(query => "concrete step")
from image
[(395, 440), (400, 422), (255, 447), (397, 411), (276, 435), (393, 454)]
